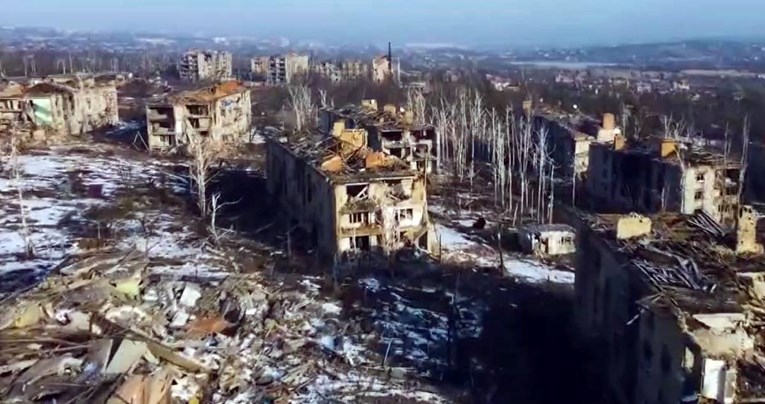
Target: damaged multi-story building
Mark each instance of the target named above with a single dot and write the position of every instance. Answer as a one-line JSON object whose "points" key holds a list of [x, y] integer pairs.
{"points": [[391, 130], [569, 139], [62, 104], [674, 305], [663, 175], [282, 69], [205, 65], [337, 71], [221, 112], [352, 201]]}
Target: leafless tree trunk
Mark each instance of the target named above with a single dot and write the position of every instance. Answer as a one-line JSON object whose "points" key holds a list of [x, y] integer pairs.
{"points": [[203, 152], [29, 250], [214, 209], [303, 107]]}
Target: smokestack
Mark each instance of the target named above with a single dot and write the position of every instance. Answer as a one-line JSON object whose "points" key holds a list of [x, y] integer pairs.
{"points": [[390, 57]]}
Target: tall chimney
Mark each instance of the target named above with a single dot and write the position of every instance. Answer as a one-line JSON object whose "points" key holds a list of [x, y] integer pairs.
{"points": [[390, 58]]}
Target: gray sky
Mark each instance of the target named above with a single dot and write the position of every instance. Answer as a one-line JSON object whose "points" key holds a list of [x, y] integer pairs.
{"points": [[476, 22]]}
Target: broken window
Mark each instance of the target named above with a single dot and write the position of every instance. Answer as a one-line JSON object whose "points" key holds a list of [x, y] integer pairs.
{"points": [[360, 243], [359, 191], [567, 240], [404, 214], [393, 136], [699, 195], [700, 177]]}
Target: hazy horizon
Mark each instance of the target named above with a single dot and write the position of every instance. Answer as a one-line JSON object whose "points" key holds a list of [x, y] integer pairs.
{"points": [[478, 23]]}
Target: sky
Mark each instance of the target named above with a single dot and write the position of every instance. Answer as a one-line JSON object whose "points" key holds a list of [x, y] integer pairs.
{"points": [[462, 22]]}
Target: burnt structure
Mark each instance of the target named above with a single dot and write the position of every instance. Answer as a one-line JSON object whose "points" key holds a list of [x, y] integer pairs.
{"points": [[351, 200], [663, 175], [391, 130], [674, 304]]}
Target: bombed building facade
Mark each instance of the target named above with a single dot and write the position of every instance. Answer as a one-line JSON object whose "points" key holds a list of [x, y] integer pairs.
{"points": [[390, 130], [205, 65], [67, 105], [221, 112], [346, 70], [663, 175], [352, 201], [674, 304], [281, 69]]}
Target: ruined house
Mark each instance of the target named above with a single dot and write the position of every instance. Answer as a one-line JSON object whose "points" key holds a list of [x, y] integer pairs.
{"points": [[73, 104], [673, 303], [221, 112], [204, 65], [351, 201], [282, 69], [547, 239], [390, 130], [14, 107], [663, 175]]}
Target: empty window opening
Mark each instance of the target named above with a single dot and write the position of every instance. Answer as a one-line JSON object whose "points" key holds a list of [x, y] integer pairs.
{"points": [[393, 136], [404, 214], [699, 195], [422, 242], [360, 243], [357, 191], [359, 218]]}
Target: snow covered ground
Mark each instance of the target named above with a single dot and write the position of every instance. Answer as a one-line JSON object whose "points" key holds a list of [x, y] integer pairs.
{"points": [[62, 186], [460, 247]]}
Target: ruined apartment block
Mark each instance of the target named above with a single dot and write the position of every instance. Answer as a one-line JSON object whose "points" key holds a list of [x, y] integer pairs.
{"points": [[221, 112], [63, 104], [348, 70], [663, 175], [351, 200], [283, 69], [390, 130], [205, 65], [569, 138], [674, 303], [386, 68]]}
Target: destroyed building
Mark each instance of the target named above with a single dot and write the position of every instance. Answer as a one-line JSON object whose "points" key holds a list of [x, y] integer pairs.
{"points": [[568, 147], [221, 112], [337, 71], [283, 69], [70, 105], [351, 201], [391, 130], [386, 68], [663, 175], [674, 304], [205, 65], [14, 108], [547, 239]]}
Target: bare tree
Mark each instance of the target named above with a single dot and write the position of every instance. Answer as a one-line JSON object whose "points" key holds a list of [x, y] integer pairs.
{"points": [[302, 105], [204, 152], [26, 235], [214, 210]]}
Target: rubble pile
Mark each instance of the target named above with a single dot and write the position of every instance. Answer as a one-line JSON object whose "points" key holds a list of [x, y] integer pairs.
{"points": [[106, 329]]}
